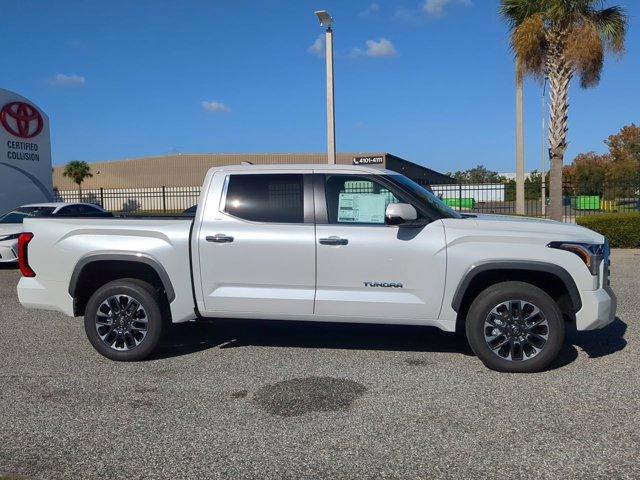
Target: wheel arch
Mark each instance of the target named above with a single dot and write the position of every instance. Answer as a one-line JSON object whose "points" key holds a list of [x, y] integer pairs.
{"points": [[551, 278], [94, 270]]}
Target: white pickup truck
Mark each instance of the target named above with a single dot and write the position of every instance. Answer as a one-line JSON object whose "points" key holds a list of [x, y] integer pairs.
{"points": [[322, 243]]}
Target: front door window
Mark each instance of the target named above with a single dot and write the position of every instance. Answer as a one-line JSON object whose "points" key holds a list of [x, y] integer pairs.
{"points": [[357, 200]]}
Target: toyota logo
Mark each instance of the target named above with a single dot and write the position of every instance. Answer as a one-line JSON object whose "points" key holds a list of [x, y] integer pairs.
{"points": [[21, 119]]}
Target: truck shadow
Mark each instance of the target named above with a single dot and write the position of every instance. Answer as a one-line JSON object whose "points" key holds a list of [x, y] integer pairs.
{"points": [[600, 343], [183, 339], [595, 343], [232, 333]]}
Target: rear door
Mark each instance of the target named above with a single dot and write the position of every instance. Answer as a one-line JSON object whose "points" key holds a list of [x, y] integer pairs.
{"points": [[367, 269], [257, 245]]}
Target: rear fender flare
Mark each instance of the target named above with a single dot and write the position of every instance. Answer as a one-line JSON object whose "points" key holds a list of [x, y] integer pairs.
{"points": [[133, 257]]}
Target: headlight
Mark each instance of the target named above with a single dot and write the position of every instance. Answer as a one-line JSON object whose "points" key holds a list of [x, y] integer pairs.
{"points": [[591, 254], [13, 236]]}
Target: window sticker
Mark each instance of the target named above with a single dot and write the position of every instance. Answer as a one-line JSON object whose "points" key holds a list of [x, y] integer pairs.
{"points": [[362, 207]]}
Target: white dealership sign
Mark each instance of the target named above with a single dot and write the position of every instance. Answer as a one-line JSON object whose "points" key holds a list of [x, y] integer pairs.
{"points": [[25, 153]]}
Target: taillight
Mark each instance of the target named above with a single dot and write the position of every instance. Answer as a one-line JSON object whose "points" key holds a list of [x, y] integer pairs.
{"points": [[23, 254]]}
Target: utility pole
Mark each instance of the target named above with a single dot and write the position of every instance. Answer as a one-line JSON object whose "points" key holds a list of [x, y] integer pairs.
{"points": [[520, 210], [326, 21], [543, 171]]}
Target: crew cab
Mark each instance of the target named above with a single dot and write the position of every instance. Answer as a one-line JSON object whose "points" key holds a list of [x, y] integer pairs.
{"points": [[322, 243]]}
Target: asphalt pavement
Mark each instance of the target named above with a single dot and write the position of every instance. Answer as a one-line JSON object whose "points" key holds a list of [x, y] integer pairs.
{"points": [[274, 400]]}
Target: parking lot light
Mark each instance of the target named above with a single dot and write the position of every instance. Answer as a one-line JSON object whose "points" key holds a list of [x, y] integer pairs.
{"points": [[327, 21]]}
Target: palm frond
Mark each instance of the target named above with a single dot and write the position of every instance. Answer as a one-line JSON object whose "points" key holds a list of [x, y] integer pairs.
{"points": [[528, 45], [517, 11], [585, 52], [612, 26], [576, 32]]}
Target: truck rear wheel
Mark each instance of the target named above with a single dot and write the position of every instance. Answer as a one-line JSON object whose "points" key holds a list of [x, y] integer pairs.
{"points": [[123, 320], [515, 327]]}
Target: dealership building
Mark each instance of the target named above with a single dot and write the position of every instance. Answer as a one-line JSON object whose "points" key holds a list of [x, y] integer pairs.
{"points": [[188, 170]]}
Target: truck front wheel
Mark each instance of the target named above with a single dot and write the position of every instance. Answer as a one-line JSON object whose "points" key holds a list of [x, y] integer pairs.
{"points": [[515, 327], [123, 320]]}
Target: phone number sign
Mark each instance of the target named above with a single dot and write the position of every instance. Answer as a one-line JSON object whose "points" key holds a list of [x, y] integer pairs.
{"points": [[368, 160]]}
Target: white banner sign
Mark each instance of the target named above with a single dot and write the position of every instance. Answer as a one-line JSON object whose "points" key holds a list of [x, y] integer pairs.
{"points": [[25, 153]]}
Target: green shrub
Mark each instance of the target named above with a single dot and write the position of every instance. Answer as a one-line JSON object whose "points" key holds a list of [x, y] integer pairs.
{"points": [[622, 229]]}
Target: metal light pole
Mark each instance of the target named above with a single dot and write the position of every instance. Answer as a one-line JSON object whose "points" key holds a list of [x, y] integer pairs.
{"points": [[326, 21], [520, 197]]}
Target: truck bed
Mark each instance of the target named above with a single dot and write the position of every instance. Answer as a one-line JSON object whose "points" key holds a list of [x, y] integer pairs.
{"points": [[60, 245]]}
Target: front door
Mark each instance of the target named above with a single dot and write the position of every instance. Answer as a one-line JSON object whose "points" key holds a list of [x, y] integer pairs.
{"points": [[370, 270], [257, 246]]}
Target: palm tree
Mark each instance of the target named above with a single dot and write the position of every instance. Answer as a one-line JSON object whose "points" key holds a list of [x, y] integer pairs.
{"points": [[558, 39], [77, 171]]}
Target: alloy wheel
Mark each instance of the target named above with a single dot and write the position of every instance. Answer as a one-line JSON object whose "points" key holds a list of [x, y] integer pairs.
{"points": [[516, 330], [121, 322]]}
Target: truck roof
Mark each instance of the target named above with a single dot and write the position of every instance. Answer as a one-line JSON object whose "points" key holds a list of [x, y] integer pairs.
{"points": [[320, 167]]}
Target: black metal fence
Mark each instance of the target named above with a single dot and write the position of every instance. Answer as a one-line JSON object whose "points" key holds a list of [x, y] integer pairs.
{"points": [[495, 198], [578, 199], [158, 200]]}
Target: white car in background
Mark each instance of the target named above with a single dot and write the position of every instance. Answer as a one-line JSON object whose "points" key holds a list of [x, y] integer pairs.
{"points": [[11, 223]]}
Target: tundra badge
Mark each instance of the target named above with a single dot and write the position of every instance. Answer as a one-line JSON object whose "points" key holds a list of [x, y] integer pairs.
{"points": [[383, 285]]}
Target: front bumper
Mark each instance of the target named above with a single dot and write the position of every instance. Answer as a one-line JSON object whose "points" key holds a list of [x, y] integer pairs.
{"points": [[598, 309]]}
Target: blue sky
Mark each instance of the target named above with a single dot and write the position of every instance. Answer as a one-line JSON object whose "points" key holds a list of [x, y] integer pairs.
{"points": [[429, 80]]}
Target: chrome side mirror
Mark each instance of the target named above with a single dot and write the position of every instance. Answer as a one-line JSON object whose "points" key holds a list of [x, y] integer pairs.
{"points": [[399, 213]]}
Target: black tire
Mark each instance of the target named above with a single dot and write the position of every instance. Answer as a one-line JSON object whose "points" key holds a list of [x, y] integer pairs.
{"points": [[522, 356], [148, 299]]}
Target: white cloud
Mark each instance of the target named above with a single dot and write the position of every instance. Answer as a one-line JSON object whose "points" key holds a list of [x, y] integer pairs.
{"points": [[371, 11], [217, 107], [374, 49], [317, 48], [62, 80], [381, 48], [404, 15], [436, 8]]}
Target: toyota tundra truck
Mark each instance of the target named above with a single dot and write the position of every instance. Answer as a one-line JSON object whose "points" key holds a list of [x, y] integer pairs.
{"points": [[329, 243]]}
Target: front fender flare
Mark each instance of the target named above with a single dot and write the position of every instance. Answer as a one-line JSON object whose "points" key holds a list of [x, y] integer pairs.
{"points": [[522, 266]]}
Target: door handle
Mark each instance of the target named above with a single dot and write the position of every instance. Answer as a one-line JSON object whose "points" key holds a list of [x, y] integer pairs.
{"points": [[334, 241], [219, 238]]}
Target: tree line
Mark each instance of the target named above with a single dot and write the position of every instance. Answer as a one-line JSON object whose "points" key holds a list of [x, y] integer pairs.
{"points": [[590, 173], [620, 165]]}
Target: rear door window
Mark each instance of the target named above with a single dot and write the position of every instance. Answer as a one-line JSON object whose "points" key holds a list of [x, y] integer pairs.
{"points": [[89, 211], [270, 198], [71, 211]]}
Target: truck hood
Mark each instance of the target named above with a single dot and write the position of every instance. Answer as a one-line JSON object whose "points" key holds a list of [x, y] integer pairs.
{"points": [[523, 227]]}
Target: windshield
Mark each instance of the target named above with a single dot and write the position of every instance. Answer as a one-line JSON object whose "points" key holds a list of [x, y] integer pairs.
{"points": [[19, 214], [424, 195]]}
